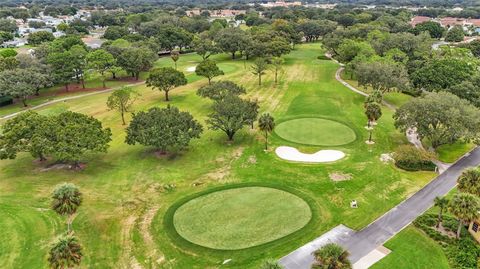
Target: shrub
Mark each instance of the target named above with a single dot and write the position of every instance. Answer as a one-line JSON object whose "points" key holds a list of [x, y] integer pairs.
{"points": [[322, 57], [412, 159]]}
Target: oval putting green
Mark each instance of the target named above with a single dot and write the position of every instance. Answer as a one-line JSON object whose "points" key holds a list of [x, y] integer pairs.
{"points": [[315, 131], [240, 218]]}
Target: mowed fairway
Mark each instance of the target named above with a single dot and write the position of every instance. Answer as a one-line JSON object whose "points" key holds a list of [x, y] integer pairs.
{"points": [[315, 131], [128, 191], [241, 217]]}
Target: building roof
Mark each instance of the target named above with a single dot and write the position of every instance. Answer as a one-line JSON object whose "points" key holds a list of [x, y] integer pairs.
{"points": [[419, 19]]}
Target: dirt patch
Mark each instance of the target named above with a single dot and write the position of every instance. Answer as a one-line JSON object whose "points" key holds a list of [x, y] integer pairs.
{"points": [[126, 79], [144, 228], [386, 158], [221, 173], [62, 166], [339, 176], [445, 232]]}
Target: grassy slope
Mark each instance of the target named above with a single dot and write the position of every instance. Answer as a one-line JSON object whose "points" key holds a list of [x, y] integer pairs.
{"points": [[125, 188], [413, 249]]}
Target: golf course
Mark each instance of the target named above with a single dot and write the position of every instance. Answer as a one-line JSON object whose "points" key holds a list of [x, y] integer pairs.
{"points": [[218, 203]]}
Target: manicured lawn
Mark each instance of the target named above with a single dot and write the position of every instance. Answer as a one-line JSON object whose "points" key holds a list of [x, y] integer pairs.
{"points": [[315, 131], [413, 249], [128, 191], [451, 153], [241, 217]]}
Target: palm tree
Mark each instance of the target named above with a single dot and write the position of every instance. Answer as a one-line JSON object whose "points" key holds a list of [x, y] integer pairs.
{"points": [[441, 202], [469, 181], [271, 264], [331, 256], [175, 55], [277, 66], [266, 123], [66, 199], [465, 207], [66, 252], [373, 111]]}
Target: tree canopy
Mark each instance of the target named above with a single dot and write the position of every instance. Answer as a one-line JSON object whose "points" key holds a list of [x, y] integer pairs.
{"points": [[165, 129], [165, 79], [219, 90]]}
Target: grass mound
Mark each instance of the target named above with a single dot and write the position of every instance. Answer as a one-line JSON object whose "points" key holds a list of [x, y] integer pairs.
{"points": [[241, 217], [315, 131]]}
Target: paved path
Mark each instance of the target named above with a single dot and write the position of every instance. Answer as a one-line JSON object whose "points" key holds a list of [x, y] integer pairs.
{"points": [[68, 99], [378, 232]]}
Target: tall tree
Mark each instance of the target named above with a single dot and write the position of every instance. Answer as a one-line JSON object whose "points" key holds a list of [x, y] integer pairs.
{"points": [[101, 61], [441, 203], [163, 128], [331, 256], [259, 67], [205, 46], [433, 28], [18, 83], [63, 67], [442, 118], [79, 54], [439, 74], [218, 90], [175, 56], [465, 207], [165, 79], [76, 134], [230, 114], [382, 76], [373, 111], [455, 34], [66, 199], [277, 66], [122, 101], [27, 132], [66, 252], [135, 60], [469, 181], [209, 69], [266, 123], [232, 40]]}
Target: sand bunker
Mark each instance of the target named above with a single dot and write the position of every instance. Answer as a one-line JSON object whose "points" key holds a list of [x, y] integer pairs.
{"points": [[191, 69], [322, 156]]}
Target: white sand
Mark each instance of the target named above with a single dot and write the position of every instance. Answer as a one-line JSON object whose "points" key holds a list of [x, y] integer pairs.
{"points": [[191, 68], [322, 156]]}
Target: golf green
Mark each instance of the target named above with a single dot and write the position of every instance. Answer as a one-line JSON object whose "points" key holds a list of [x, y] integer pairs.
{"points": [[315, 131], [241, 217]]}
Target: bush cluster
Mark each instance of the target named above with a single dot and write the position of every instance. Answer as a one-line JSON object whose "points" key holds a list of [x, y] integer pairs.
{"points": [[412, 159], [462, 253]]}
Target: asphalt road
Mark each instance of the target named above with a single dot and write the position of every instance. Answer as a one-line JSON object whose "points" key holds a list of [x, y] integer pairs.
{"points": [[378, 232]]}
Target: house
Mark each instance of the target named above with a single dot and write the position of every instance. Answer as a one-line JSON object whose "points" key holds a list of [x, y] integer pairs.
{"points": [[281, 4], [419, 19], [474, 229], [226, 13], [17, 42]]}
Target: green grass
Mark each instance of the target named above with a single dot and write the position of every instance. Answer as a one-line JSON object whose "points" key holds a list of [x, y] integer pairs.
{"points": [[451, 153], [413, 249], [127, 191], [315, 131], [241, 217]]}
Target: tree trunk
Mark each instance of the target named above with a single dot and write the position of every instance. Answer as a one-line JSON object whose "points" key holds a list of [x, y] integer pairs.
{"points": [[37, 91], [123, 118], [439, 221], [370, 136], [260, 80], [175, 65], [166, 96], [137, 75], [66, 87], [209, 80], [266, 140], [41, 157], [459, 229], [230, 135], [24, 101], [276, 73], [103, 83], [114, 75], [233, 55], [83, 83]]}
